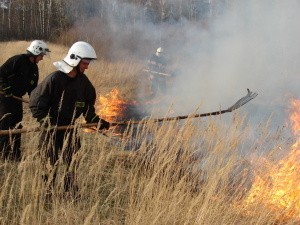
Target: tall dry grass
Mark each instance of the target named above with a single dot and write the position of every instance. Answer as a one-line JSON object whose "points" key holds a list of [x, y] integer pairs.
{"points": [[188, 172]]}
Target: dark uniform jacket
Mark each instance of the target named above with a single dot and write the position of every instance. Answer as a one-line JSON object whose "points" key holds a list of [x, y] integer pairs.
{"points": [[64, 99], [19, 73], [157, 63]]}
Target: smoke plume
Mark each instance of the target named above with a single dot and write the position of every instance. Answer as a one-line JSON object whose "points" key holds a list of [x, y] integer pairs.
{"points": [[236, 45]]}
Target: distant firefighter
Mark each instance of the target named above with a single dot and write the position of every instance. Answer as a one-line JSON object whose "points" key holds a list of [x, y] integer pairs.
{"points": [[18, 75], [157, 69]]}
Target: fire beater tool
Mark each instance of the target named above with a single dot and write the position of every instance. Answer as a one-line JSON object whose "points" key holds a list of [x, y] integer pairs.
{"points": [[250, 95]]}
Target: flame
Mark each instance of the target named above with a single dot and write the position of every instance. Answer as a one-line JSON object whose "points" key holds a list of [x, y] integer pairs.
{"points": [[112, 108], [279, 188], [295, 116], [109, 106]]}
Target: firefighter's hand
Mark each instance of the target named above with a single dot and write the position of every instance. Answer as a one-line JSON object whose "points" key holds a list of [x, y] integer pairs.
{"points": [[103, 124], [7, 92]]}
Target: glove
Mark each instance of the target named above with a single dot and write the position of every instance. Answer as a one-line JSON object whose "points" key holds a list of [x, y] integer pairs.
{"points": [[103, 124], [7, 92]]}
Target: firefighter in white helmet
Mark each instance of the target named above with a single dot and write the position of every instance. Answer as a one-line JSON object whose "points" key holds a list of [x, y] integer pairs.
{"points": [[38, 47], [59, 100], [157, 70], [18, 75]]}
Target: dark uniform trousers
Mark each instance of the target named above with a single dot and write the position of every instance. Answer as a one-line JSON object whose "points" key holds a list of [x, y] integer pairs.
{"points": [[52, 144], [11, 114], [158, 84]]}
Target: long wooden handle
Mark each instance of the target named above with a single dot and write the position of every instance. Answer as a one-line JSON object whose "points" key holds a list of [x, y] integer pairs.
{"points": [[36, 129], [250, 95], [123, 123], [15, 97]]}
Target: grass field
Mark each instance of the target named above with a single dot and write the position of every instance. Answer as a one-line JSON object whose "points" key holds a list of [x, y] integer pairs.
{"points": [[196, 171]]}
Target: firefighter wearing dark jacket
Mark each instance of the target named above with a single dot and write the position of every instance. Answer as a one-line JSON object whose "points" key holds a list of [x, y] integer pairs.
{"points": [[59, 100], [157, 64], [18, 75]]}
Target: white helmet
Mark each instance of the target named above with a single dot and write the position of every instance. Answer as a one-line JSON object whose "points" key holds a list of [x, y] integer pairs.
{"points": [[160, 50], [79, 50], [38, 47]]}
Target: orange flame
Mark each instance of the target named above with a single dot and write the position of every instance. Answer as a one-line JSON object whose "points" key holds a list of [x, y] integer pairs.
{"points": [[295, 116], [279, 189], [109, 106]]}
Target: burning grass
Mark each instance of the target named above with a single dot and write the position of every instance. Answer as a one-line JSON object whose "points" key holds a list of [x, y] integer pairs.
{"points": [[277, 188], [197, 171], [180, 173]]}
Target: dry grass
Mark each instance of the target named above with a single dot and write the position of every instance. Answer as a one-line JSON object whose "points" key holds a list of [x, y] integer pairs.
{"points": [[190, 172]]}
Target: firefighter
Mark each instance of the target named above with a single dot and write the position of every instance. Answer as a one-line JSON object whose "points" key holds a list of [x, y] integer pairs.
{"points": [[59, 100], [18, 75], [157, 69]]}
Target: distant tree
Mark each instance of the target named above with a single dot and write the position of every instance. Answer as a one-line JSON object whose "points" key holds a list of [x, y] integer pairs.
{"points": [[47, 19], [32, 19], [150, 12], [3, 4]]}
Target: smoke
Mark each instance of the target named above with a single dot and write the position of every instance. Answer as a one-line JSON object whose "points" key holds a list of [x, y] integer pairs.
{"points": [[250, 44], [236, 45]]}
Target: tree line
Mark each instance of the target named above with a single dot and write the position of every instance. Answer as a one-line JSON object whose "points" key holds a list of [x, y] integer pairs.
{"points": [[49, 19]]}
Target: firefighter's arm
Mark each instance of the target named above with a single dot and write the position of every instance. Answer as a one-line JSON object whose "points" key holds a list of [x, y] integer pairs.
{"points": [[102, 124], [40, 101], [7, 71]]}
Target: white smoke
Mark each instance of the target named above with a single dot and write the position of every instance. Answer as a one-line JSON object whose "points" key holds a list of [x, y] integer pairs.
{"points": [[243, 44], [252, 44]]}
